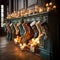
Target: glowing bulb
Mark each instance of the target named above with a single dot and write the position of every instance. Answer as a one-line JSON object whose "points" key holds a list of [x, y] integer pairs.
{"points": [[38, 42], [31, 44], [50, 3], [47, 4], [15, 41], [22, 47], [41, 10], [48, 9], [33, 40], [24, 44], [20, 44], [54, 7]]}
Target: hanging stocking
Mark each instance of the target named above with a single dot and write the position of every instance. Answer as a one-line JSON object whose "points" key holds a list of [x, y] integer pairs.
{"points": [[28, 32], [34, 29], [38, 25]]}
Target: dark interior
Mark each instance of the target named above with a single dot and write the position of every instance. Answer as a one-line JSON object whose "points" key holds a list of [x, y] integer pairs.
{"points": [[53, 22]]}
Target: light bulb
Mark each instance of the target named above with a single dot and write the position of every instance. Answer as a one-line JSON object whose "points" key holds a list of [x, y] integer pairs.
{"points": [[47, 4], [48, 9], [54, 7], [50, 4]]}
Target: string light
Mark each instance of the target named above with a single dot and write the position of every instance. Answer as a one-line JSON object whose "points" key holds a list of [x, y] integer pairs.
{"points": [[50, 3], [54, 7], [24, 12], [47, 4]]}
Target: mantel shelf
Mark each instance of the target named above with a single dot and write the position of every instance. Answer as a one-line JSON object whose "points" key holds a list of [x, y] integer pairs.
{"points": [[32, 15]]}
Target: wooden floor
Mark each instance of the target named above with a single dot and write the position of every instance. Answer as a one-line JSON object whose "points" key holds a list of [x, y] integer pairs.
{"points": [[9, 51]]}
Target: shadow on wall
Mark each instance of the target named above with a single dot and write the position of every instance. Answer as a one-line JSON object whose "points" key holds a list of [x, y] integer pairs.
{"points": [[2, 33]]}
